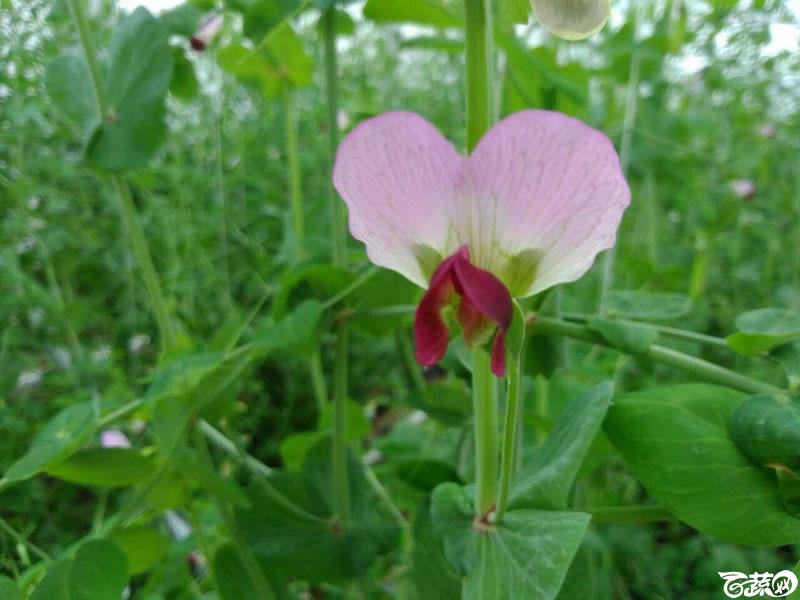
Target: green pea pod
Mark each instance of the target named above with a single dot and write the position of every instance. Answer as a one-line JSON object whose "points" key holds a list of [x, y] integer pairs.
{"points": [[766, 429]]}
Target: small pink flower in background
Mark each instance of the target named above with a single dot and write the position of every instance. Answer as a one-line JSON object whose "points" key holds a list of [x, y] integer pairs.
{"points": [[113, 438], [743, 188], [207, 31], [540, 196], [767, 130]]}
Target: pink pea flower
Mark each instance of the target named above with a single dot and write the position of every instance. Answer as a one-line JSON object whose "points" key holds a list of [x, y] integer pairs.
{"points": [[540, 196], [113, 438], [743, 188]]}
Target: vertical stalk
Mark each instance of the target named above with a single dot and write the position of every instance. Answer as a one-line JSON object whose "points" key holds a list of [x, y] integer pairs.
{"points": [[138, 241], [477, 17], [318, 381], [339, 255], [484, 409], [293, 163], [510, 429], [629, 120], [338, 240], [261, 585], [340, 478]]}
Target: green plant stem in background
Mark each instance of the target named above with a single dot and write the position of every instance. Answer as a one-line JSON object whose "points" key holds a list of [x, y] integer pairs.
{"points": [[338, 234], [318, 380], [705, 370], [261, 586], [510, 429], [341, 481], [22, 541], [477, 18], [138, 241], [147, 269], [293, 162], [484, 416], [629, 514]]}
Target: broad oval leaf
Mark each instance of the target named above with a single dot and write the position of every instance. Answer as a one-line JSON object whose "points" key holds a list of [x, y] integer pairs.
{"points": [[142, 546], [527, 555], [763, 329], [99, 571], [675, 441], [64, 435], [138, 79], [107, 467]]}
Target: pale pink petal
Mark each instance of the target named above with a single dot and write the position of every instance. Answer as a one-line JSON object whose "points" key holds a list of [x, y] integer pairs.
{"points": [[398, 175], [113, 438], [549, 186]]}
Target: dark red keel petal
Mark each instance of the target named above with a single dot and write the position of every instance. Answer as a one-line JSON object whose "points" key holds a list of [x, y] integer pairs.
{"points": [[499, 354], [484, 300], [431, 335]]}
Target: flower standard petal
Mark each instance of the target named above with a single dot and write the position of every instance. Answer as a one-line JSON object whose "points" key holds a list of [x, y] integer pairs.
{"points": [[397, 174], [556, 194]]}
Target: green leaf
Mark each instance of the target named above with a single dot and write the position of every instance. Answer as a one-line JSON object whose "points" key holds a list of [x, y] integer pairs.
{"points": [[99, 571], [231, 575], [53, 585], [182, 20], [184, 81], [9, 589], [64, 435], [788, 356], [264, 16], [251, 66], [763, 329], [294, 532], [212, 481], [432, 574], [572, 19], [647, 305], [447, 401], [289, 57], [631, 338], [143, 547], [766, 429], [69, 85], [674, 440], [527, 555], [108, 467], [296, 332], [512, 12], [545, 482], [138, 79], [418, 12]]}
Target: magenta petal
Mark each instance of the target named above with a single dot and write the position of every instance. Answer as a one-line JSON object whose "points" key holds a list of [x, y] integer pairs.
{"points": [[431, 335], [484, 290], [499, 354]]}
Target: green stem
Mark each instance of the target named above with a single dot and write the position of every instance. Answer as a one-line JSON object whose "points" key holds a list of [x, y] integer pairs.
{"points": [[293, 162], [484, 408], [318, 381], [22, 541], [131, 218], [144, 260], [261, 587], [697, 366], [339, 454], [629, 514], [477, 18], [338, 239], [510, 429]]}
